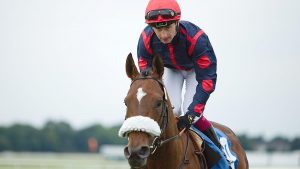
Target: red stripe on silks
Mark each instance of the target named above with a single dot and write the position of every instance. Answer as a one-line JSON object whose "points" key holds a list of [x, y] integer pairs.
{"points": [[203, 62], [207, 85], [199, 108], [146, 40], [187, 36], [172, 56], [142, 63], [193, 42]]}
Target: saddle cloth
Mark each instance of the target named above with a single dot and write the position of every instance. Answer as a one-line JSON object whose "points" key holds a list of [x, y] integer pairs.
{"points": [[219, 161]]}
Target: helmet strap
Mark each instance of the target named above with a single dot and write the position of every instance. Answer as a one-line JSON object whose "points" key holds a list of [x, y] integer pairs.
{"points": [[177, 26]]}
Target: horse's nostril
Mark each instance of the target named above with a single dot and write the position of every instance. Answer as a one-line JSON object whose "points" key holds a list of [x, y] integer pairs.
{"points": [[126, 152], [144, 152]]}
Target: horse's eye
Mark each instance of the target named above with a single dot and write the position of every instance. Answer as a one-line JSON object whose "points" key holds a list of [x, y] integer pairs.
{"points": [[158, 104]]}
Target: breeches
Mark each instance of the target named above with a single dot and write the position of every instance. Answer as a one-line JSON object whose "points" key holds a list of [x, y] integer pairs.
{"points": [[181, 87]]}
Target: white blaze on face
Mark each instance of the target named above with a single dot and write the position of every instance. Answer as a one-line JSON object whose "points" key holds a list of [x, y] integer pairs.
{"points": [[140, 94]]}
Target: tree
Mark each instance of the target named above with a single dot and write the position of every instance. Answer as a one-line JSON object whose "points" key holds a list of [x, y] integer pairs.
{"points": [[279, 143], [295, 144], [23, 138], [4, 141], [58, 136]]}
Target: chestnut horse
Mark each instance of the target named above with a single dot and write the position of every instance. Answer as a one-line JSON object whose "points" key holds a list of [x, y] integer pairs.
{"points": [[154, 142]]}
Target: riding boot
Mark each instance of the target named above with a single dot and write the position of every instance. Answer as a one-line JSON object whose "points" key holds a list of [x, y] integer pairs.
{"points": [[211, 134]]}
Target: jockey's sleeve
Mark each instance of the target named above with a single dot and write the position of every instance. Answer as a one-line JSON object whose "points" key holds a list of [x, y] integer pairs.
{"points": [[144, 51], [205, 65]]}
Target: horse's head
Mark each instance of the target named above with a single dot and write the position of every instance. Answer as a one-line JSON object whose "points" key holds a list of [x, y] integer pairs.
{"points": [[147, 114]]}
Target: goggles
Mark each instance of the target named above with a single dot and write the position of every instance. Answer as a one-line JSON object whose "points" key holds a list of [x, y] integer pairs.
{"points": [[159, 25], [164, 13]]}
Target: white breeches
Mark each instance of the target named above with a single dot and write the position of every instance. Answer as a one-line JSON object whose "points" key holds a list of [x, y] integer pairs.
{"points": [[181, 87]]}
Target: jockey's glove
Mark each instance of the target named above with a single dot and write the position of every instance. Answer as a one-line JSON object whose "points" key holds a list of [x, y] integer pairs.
{"points": [[185, 121], [146, 72]]}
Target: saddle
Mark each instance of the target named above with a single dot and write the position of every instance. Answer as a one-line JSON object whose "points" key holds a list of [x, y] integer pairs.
{"points": [[206, 155]]}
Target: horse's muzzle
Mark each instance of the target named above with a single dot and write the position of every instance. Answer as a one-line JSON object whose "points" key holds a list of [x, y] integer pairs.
{"points": [[137, 157]]}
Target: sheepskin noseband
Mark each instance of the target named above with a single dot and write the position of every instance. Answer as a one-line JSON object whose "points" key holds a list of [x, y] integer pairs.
{"points": [[139, 123]]}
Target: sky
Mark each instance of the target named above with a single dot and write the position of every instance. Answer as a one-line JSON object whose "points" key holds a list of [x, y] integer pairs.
{"points": [[64, 60]]}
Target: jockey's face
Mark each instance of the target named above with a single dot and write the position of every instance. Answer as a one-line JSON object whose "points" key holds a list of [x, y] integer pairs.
{"points": [[166, 34]]}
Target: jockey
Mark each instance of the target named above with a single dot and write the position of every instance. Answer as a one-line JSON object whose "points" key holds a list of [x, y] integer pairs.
{"points": [[189, 62]]}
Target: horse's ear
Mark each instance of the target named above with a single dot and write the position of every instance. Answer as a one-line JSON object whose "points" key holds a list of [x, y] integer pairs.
{"points": [[157, 67], [131, 69]]}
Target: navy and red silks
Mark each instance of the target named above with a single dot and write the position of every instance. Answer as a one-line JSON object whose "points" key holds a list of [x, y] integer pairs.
{"points": [[189, 49]]}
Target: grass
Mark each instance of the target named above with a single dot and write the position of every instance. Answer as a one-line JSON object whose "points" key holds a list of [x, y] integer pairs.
{"points": [[58, 161], [70, 161]]}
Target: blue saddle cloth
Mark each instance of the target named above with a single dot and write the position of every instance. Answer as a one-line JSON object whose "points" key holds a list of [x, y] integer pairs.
{"points": [[222, 163]]}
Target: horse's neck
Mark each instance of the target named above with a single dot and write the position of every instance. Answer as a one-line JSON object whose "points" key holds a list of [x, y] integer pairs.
{"points": [[171, 154]]}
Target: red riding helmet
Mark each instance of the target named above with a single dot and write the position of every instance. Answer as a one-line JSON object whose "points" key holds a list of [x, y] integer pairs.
{"points": [[162, 11]]}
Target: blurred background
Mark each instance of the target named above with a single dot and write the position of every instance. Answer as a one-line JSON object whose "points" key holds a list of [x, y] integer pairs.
{"points": [[63, 80]]}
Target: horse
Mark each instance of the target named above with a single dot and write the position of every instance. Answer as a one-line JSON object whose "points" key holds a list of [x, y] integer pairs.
{"points": [[154, 141]]}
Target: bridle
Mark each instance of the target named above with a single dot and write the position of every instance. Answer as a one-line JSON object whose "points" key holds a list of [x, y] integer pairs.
{"points": [[163, 123], [164, 114], [157, 141]]}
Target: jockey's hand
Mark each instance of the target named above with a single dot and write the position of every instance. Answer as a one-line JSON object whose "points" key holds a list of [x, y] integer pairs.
{"points": [[185, 121], [146, 72]]}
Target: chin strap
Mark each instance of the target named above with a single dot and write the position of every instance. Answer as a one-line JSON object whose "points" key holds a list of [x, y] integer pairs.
{"points": [[177, 26]]}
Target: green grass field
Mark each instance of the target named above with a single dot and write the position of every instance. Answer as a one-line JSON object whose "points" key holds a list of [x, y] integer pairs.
{"points": [[69, 161], [58, 161]]}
